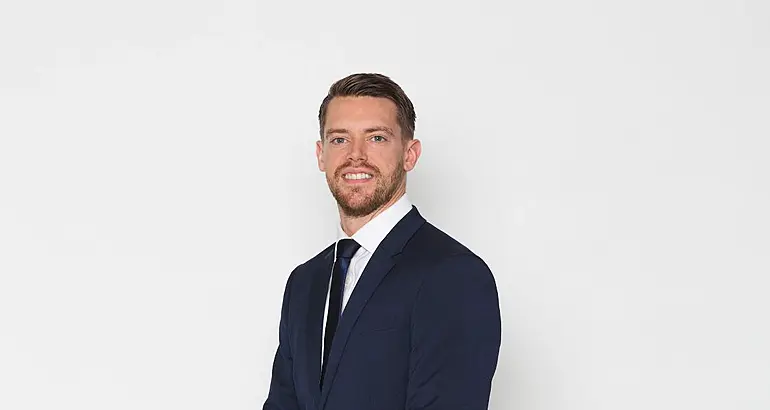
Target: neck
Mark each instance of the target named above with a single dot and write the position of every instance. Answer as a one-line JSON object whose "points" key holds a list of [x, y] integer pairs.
{"points": [[351, 225]]}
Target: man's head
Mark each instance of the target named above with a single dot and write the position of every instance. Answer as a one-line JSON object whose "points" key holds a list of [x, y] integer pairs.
{"points": [[367, 142]]}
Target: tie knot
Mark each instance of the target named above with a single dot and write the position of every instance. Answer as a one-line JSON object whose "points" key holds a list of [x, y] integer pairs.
{"points": [[346, 248]]}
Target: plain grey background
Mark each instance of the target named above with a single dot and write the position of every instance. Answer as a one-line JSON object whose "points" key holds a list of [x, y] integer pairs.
{"points": [[608, 159]]}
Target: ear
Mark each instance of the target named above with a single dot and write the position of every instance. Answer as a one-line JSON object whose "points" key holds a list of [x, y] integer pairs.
{"points": [[319, 151], [412, 154]]}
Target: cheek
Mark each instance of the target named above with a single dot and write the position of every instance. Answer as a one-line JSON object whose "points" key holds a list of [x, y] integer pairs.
{"points": [[387, 163], [330, 161]]}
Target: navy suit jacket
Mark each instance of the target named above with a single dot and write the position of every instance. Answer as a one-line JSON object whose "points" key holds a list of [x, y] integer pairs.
{"points": [[421, 330]]}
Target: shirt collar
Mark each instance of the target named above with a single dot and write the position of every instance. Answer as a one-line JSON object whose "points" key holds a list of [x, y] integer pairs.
{"points": [[373, 232]]}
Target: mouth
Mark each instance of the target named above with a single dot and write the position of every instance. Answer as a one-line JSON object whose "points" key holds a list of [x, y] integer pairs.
{"points": [[357, 177]]}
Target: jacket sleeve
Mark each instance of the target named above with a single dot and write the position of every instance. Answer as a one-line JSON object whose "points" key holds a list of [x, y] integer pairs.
{"points": [[456, 333], [282, 395]]}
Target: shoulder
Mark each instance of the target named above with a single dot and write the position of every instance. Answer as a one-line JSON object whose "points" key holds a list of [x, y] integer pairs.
{"points": [[303, 272], [445, 259], [452, 282], [434, 245]]}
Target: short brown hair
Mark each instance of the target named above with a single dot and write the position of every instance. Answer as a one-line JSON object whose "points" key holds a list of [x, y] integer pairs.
{"points": [[372, 85]]}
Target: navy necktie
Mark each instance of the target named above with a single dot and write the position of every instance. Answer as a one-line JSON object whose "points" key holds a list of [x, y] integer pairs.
{"points": [[346, 248]]}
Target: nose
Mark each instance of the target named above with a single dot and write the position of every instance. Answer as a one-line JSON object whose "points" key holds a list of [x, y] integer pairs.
{"points": [[357, 151]]}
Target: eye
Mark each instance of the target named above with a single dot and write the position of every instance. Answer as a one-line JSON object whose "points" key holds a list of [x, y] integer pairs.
{"points": [[379, 138], [337, 140]]}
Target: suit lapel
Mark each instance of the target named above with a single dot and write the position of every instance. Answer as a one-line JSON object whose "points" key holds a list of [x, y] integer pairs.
{"points": [[316, 303], [381, 262]]}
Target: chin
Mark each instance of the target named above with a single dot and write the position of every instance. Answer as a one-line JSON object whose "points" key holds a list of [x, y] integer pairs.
{"points": [[358, 203], [356, 193]]}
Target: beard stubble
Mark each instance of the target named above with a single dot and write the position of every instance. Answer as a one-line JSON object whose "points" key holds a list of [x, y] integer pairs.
{"points": [[383, 192]]}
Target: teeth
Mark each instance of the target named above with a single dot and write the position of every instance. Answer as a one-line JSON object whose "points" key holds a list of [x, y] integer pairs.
{"points": [[357, 176]]}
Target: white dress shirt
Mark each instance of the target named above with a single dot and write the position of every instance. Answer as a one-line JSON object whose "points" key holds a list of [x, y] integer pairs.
{"points": [[369, 237]]}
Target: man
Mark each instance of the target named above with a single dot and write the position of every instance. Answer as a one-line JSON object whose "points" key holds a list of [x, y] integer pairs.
{"points": [[396, 314]]}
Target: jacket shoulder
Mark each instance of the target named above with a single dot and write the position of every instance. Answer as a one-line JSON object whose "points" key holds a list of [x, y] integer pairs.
{"points": [[435, 244], [445, 262], [306, 268]]}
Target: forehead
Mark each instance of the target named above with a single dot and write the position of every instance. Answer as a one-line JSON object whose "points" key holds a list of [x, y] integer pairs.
{"points": [[355, 112]]}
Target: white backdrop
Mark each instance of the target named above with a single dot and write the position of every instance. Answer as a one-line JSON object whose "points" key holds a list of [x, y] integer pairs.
{"points": [[607, 159]]}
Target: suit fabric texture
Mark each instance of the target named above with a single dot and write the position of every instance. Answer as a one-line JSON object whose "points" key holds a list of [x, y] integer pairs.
{"points": [[421, 330]]}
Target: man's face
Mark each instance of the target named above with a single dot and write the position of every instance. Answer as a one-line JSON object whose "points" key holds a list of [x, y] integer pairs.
{"points": [[363, 154]]}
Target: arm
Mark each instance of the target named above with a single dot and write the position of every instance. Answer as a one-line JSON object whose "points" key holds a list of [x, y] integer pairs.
{"points": [[456, 333], [281, 395]]}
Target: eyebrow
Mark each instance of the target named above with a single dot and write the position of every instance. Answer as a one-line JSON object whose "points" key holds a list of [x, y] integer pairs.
{"points": [[379, 129], [335, 131], [366, 131]]}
